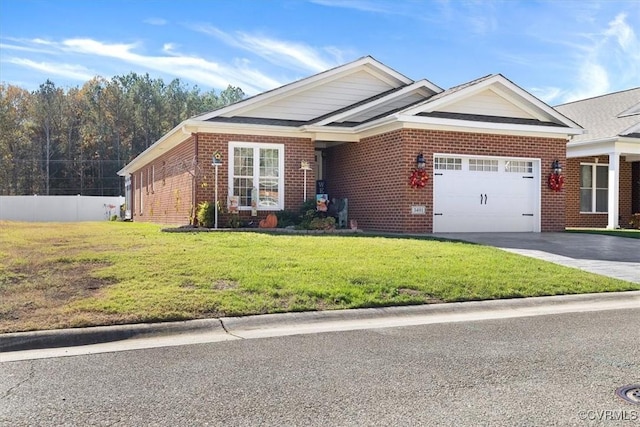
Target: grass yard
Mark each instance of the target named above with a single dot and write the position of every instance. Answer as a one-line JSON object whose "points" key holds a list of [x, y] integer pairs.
{"points": [[630, 233], [55, 275]]}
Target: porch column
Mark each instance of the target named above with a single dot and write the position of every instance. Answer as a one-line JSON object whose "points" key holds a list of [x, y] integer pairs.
{"points": [[614, 190]]}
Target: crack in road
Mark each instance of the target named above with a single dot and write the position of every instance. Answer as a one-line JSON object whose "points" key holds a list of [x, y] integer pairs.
{"points": [[30, 375], [227, 331]]}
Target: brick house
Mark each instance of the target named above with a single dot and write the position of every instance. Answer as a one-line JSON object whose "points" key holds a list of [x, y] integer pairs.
{"points": [[485, 147], [603, 165]]}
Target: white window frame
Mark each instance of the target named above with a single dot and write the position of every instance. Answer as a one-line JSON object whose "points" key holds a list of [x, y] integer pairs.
{"points": [[256, 146], [594, 188], [140, 205], [447, 163]]}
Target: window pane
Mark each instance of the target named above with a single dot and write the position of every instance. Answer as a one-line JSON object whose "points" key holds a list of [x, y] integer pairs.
{"points": [[585, 200], [242, 161], [602, 176], [602, 197], [242, 188], [585, 176], [268, 162], [268, 197]]}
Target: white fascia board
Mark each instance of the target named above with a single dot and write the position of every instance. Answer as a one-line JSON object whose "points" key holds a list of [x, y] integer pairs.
{"points": [[184, 130], [490, 126], [245, 129], [166, 142], [603, 146], [422, 85], [492, 83], [367, 64], [531, 101]]}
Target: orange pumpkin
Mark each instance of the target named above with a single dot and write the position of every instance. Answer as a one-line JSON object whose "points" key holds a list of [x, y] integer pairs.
{"points": [[271, 221]]}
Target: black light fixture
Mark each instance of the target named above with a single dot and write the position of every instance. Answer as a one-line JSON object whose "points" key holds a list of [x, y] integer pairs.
{"points": [[420, 162], [557, 167]]}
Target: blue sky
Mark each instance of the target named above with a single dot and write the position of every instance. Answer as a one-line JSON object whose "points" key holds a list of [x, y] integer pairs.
{"points": [[558, 50]]}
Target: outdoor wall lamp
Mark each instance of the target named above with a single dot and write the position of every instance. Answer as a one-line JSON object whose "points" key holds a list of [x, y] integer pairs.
{"points": [[420, 162], [557, 167]]}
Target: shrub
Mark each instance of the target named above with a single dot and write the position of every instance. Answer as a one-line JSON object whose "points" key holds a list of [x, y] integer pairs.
{"points": [[206, 214], [287, 218]]}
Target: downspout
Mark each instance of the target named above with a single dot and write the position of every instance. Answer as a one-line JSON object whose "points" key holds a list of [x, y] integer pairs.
{"points": [[194, 203]]}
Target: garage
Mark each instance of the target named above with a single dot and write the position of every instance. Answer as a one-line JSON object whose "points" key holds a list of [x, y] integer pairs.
{"points": [[485, 194]]}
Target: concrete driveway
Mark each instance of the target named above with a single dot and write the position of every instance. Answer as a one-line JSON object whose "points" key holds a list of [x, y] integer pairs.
{"points": [[617, 257]]}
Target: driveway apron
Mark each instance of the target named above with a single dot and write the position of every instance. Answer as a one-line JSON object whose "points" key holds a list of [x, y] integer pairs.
{"points": [[611, 256]]}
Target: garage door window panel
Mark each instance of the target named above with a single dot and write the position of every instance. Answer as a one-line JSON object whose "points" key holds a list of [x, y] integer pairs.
{"points": [[483, 165], [448, 163], [518, 166]]}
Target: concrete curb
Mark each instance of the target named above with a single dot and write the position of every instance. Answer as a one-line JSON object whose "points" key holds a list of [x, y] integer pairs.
{"points": [[288, 323], [101, 334]]}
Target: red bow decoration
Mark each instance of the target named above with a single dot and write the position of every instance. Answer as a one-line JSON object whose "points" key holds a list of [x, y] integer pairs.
{"points": [[418, 178], [556, 181]]}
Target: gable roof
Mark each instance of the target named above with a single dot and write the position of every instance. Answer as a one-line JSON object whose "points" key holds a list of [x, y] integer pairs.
{"points": [[363, 97], [322, 94], [492, 98], [608, 116]]}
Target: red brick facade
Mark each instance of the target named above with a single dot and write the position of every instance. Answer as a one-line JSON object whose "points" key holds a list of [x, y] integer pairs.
{"points": [[162, 190], [174, 180], [373, 174], [574, 217]]}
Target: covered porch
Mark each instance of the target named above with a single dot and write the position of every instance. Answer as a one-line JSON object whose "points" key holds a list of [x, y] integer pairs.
{"points": [[620, 197]]}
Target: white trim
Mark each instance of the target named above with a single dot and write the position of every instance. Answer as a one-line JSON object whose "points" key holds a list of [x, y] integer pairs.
{"points": [[418, 86], [603, 146], [594, 187], [461, 125], [537, 172], [366, 63], [498, 79], [256, 146]]}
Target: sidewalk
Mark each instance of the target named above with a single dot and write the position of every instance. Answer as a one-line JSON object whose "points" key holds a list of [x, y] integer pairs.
{"points": [[138, 336]]}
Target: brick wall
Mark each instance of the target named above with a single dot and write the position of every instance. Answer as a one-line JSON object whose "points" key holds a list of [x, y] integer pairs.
{"points": [[165, 187], [374, 173], [295, 149], [170, 200], [596, 220]]}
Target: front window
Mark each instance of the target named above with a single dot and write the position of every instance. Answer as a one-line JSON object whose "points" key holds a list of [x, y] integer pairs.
{"points": [[594, 187], [256, 172]]}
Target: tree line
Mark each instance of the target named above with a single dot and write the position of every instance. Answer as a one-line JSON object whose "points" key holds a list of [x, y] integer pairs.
{"points": [[56, 141]]}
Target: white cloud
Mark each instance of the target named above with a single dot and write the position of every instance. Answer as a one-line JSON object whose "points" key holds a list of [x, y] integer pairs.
{"points": [[608, 63], [76, 72], [155, 21], [547, 94], [278, 52], [172, 62], [361, 5]]}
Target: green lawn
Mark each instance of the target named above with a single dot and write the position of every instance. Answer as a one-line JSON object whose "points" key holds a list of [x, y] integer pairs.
{"points": [[67, 275], [630, 233]]}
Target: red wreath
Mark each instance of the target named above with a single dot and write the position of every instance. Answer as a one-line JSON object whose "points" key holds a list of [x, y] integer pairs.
{"points": [[418, 178], [556, 181]]}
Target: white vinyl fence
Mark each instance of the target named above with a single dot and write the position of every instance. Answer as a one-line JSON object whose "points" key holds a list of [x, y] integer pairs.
{"points": [[59, 208]]}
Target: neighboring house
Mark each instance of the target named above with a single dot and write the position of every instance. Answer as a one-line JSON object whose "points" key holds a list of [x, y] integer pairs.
{"points": [[603, 170], [488, 144]]}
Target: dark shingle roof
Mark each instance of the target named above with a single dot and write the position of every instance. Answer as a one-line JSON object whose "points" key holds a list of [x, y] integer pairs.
{"points": [[489, 119]]}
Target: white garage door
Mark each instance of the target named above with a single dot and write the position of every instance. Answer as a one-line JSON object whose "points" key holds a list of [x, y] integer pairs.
{"points": [[485, 194]]}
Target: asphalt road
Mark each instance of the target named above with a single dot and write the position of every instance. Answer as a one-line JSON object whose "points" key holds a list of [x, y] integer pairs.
{"points": [[530, 371]]}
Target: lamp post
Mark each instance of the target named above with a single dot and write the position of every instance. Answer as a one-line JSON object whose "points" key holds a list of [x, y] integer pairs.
{"points": [[304, 166], [216, 162]]}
